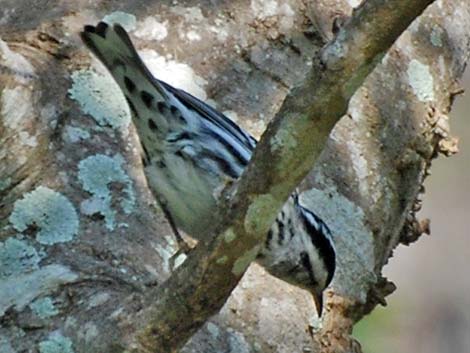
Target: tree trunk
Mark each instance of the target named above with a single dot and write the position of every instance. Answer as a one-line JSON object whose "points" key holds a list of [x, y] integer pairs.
{"points": [[82, 242]]}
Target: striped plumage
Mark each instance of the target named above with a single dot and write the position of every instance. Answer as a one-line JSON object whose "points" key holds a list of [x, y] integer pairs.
{"points": [[191, 151]]}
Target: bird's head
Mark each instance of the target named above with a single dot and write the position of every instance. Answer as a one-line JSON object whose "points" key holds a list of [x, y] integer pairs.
{"points": [[318, 260]]}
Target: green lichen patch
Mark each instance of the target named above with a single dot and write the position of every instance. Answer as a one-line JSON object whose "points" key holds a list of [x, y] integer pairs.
{"points": [[237, 342], [283, 139], [213, 329], [16, 256], [5, 346], [436, 37], [48, 211], [89, 332], [100, 97], [56, 343], [127, 20], [20, 290], [98, 299], [229, 235], [5, 183], [257, 219], [98, 173], [285, 142], [421, 80], [44, 307], [74, 134], [222, 260], [242, 263]]}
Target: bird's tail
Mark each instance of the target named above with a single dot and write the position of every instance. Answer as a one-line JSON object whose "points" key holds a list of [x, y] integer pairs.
{"points": [[112, 45]]}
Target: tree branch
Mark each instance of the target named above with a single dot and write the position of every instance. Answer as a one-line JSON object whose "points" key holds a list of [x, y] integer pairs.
{"points": [[284, 156]]}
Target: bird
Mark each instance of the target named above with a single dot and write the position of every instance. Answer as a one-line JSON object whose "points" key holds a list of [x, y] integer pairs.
{"points": [[190, 151]]}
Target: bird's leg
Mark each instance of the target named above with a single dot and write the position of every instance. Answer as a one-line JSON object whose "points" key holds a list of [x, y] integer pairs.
{"points": [[183, 246]]}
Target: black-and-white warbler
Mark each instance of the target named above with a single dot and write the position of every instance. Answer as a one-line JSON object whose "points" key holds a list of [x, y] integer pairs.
{"points": [[190, 150]]}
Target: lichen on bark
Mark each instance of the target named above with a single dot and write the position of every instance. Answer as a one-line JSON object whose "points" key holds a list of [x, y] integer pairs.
{"points": [[248, 58]]}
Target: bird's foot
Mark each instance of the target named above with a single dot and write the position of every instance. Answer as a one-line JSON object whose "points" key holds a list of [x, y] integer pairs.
{"points": [[185, 246]]}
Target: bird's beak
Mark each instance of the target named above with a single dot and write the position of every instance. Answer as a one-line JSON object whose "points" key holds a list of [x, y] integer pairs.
{"points": [[318, 299]]}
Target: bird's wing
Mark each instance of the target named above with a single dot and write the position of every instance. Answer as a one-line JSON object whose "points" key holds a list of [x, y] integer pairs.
{"points": [[210, 114]]}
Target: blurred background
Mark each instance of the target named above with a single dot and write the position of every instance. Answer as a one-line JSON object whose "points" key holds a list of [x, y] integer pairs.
{"points": [[430, 310]]}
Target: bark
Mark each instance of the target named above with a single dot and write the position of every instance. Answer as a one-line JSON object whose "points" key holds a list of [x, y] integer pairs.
{"points": [[81, 265]]}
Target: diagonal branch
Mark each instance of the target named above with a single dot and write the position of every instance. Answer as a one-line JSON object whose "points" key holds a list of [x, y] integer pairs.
{"points": [[284, 156]]}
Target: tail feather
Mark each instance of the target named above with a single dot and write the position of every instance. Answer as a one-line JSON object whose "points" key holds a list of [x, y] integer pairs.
{"points": [[112, 45], [148, 99]]}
